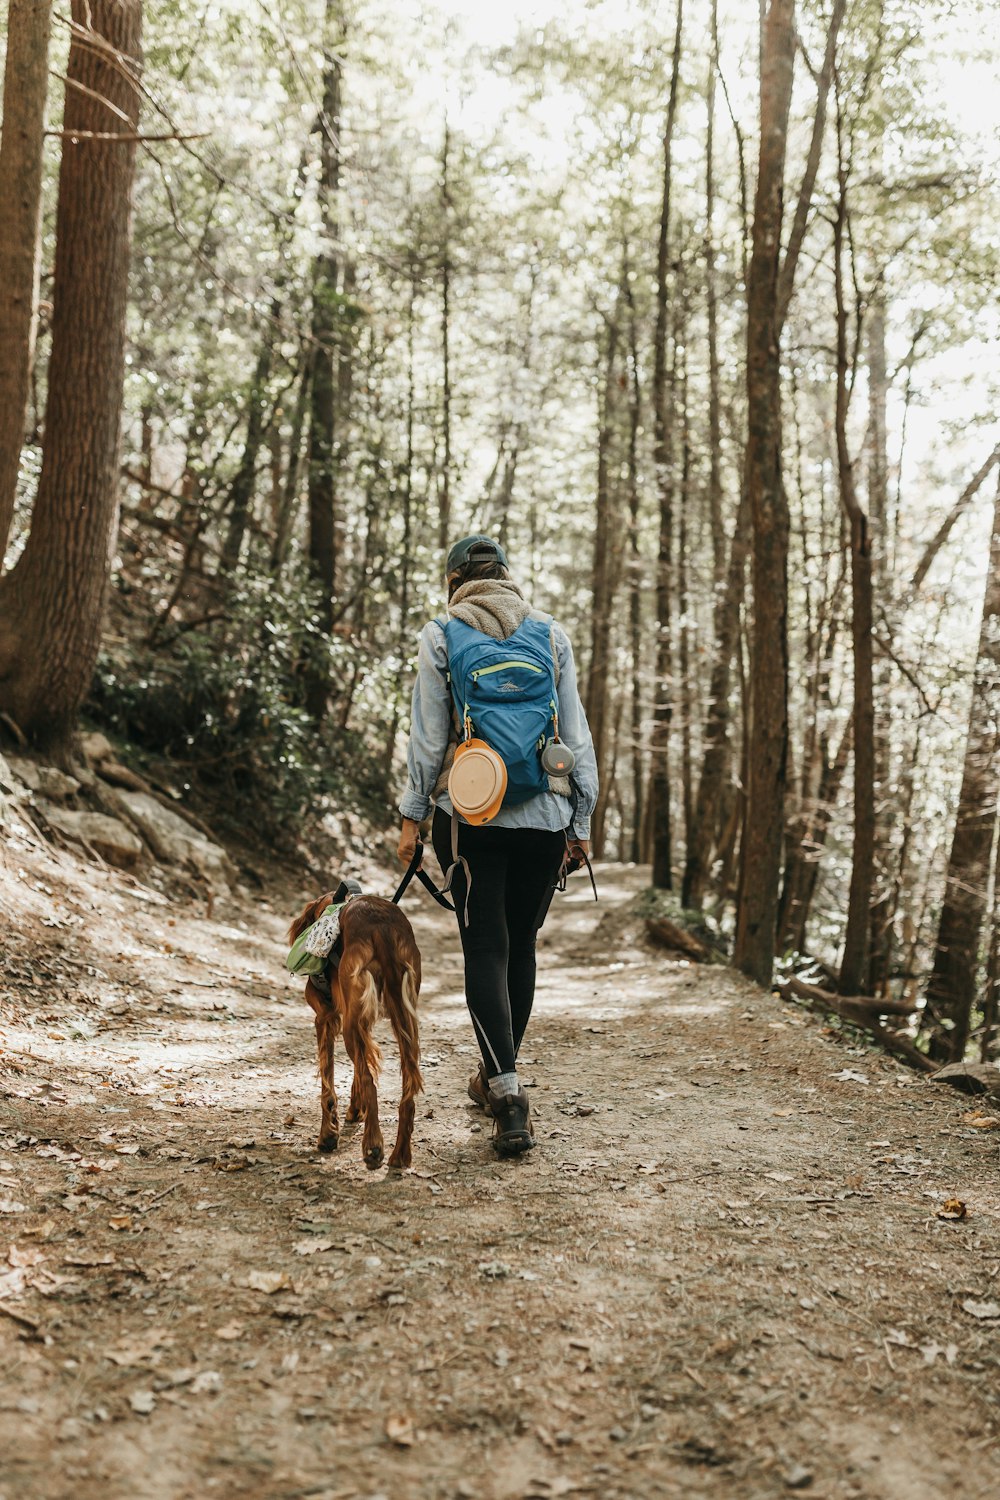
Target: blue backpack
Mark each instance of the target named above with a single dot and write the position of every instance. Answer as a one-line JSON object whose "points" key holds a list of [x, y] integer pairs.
{"points": [[505, 693]]}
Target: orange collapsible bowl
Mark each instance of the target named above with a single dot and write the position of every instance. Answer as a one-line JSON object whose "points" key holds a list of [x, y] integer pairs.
{"points": [[477, 781]]}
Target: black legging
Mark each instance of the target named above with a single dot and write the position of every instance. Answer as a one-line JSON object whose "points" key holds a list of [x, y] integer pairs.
{"points": [[513, 872]]}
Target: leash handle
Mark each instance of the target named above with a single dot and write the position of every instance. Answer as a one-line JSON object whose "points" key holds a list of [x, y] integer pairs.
{"points": [[413, 868]]}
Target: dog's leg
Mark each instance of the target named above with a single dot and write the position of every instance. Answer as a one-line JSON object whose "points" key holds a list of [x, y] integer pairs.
{"points": [[402, 1009], [362, 1047], [326, 1035], [356, 1108]]}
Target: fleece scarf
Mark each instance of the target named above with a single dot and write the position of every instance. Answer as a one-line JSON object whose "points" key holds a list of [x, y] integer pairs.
{"points": [[495, 606]]}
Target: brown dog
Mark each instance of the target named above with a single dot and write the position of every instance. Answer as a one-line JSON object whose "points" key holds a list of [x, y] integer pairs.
{"points": [[379, 973]]}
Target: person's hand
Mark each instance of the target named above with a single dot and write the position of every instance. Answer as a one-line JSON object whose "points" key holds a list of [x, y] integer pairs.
{"points": [[579, 850], [408, 839]]}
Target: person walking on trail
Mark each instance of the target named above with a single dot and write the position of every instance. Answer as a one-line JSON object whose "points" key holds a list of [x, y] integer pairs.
{"points": [[502, 861]]}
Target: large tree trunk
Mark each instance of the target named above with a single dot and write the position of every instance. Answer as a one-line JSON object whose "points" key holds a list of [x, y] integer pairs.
{"points": [[952, 987], [26, 77], [659, 780], [761, 845], [322, 490], [51, 604], [853, 967]]}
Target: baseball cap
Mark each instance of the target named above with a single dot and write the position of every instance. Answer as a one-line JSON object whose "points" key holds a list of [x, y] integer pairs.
{"points": [[475, 549]]}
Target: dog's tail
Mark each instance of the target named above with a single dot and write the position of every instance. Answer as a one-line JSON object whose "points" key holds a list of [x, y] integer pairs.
{"points": [[407, 1031], [360, 991]]}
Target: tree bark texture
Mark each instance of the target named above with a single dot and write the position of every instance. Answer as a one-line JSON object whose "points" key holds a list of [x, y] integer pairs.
{"points": [[322, 490], [51, 604], [25, 89], [880, 936], [604, 573], [951, 991], [761, 847], [854, 963], [659, 779]]}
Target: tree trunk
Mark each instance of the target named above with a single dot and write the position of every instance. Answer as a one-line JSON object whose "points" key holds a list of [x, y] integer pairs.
{"points": [[322, 492], [711, 307], [952, 987], [659, 780], [604, 574], [242, 488], [26, 77], [444, 481], [761, 846], [854, 964], [684, 608], [711, 782], [51, 604], [634, 569], [880, 934], [289, 501]]}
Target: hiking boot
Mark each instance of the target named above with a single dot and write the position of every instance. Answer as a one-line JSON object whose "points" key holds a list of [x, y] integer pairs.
{"points": [[479, 1089], [511, 1124]]}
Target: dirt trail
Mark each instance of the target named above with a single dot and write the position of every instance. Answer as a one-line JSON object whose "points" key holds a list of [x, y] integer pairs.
{"points": [[719, 1274]]}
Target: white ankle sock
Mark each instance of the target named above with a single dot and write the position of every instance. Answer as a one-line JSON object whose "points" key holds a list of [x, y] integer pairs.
{"points": [[504, 1083]]}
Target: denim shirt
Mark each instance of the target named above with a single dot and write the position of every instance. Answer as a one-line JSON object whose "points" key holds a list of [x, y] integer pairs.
{"points": [[431, 725]]}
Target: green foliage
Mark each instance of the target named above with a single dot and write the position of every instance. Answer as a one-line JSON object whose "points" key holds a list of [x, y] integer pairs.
{"points": [[224, 704]]}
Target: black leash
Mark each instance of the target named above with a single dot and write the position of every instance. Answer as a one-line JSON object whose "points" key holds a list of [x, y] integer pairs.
{"points": [[425, 880]]}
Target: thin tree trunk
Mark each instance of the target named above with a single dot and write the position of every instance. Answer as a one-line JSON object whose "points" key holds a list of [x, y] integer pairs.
{"points": [[715, 758], [853, 967], [718, 530], [293, 474], [242, 488], [634, 568], [761, 845], [322, 494], [21, 147], [880, 937], [951, 990], [684, 607], [800, 220], [659, 781], [802, 864], [604, 572], [52, 603], [444, 484], [943, 532]]}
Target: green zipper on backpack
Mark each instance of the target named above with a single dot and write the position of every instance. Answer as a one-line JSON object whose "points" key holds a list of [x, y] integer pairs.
{"points": [[502, 666]]}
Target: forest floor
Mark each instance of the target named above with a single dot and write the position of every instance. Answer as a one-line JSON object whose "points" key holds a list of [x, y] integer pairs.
{"points": [[721, 1273]]}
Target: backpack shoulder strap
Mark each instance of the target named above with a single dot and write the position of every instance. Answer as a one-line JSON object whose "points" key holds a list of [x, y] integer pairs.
{"points": [[539, 614]]}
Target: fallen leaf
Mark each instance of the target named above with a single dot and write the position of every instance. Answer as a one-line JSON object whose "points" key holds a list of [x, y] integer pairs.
{"points": [[982, 1122], [399, 1430], [9, 1206], [848, 1075], [953, 1208], [207, 1380], [267, 1282], [120, 1222], [981, 1309], [142, 1402]]}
